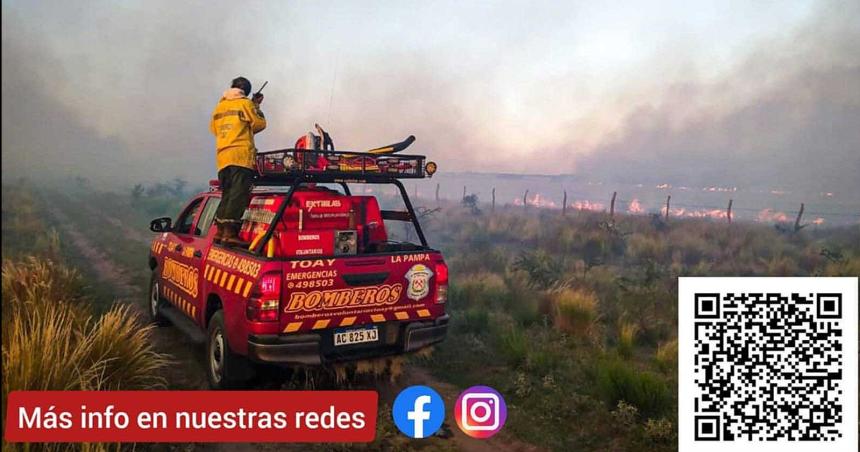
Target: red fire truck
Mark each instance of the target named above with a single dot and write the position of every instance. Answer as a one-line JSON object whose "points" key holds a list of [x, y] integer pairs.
{"points": [[322, 280]]}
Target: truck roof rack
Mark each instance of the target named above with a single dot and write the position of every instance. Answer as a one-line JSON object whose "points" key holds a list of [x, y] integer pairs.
{"points": [[289, 166]]}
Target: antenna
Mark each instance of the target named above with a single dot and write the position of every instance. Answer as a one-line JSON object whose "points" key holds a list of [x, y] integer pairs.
{"points": [[261, 88], [331, 92]]}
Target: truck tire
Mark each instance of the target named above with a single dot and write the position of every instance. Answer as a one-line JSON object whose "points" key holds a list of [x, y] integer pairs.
{"points": [[224, 369], [155, 301]]}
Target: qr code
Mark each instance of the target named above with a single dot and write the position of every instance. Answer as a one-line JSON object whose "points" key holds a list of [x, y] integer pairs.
{"points": [[771, 361]]}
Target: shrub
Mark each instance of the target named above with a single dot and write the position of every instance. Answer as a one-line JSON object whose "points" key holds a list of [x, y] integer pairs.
{"points": [[693, 247], [467, 292], [848, 267], [488, 257], [474, 319], [575, 311], [24, 231], [782, 266], [522, 385], [478, 289], [513, 345], [644, 247], [620, 381], [544, 271], [593, 250], [627, 338], [522, 301], [659, 430], [543, 359], [667, 355], [625, 414]]}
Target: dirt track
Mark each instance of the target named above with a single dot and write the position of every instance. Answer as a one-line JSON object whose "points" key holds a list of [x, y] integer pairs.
{"points": [[188, 368]]}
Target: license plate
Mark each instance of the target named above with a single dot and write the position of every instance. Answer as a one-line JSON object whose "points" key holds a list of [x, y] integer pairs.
{"points": [[356, 336]]}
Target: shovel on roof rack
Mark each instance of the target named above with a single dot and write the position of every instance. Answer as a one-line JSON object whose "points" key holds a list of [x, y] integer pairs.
{"points": [[392, 148]]}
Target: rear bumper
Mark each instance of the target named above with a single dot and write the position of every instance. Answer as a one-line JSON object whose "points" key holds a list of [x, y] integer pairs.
{"points": [[295, 349], [317, 348]]}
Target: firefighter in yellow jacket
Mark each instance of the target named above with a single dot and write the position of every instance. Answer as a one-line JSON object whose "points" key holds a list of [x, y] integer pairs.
{"points": [[234, 122]]}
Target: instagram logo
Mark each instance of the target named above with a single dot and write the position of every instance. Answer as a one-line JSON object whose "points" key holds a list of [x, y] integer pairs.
{"points": [[480, 412]]}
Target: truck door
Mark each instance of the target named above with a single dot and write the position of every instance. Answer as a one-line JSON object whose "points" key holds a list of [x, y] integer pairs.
{"points": [[186, 250]]}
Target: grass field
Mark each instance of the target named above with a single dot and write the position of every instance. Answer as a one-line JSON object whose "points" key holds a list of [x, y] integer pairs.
{"points": [[573, 319], [55, 336]]}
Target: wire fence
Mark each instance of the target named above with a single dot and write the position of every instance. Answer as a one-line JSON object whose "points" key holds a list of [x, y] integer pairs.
{"points": [[575, 200]]}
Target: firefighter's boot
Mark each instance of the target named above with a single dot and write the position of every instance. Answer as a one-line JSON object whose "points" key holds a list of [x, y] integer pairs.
{"points": [[219, 235], [231, 235]]}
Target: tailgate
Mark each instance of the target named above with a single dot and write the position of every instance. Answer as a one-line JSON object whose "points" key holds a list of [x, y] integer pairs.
{"points": [[359, 290]]}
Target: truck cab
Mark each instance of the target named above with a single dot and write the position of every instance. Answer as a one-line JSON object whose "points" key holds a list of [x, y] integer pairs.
{"points": [[322, 279]]}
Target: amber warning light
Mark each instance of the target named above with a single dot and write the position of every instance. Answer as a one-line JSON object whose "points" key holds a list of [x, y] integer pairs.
{"points": [[430, 168]]}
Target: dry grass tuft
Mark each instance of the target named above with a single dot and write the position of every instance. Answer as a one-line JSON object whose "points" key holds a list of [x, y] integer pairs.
{"points": [[627, 332], [37, 284], [391, 366], [575, 311], [51, 341], [424, 353], [667, 355]]}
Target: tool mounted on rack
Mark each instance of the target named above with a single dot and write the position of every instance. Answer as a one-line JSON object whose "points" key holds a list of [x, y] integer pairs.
{"points": [[313, 157]]}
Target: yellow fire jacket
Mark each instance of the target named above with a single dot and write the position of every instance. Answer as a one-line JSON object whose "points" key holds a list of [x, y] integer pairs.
{"points": [[235, 120]]}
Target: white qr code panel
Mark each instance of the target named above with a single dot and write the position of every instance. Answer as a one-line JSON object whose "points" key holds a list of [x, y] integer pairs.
{"points": [[767, 364]]}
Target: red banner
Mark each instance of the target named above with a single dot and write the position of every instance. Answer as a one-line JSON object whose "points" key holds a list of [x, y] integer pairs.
{"points": [[191, 416]]}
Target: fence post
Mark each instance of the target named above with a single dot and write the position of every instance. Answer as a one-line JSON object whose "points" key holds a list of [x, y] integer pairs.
{"points": [[525, 200], [612, 205], [564, 204], [464, 192], [494, 199], [437, 193], [668, 198], [729, 212], [797, 225]]}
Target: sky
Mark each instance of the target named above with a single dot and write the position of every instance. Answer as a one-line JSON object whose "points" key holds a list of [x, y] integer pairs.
{"points": [[761, 93]]}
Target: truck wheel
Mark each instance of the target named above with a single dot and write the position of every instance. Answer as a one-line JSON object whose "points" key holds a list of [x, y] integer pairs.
{"points": [[225, 369], [155, 301]]}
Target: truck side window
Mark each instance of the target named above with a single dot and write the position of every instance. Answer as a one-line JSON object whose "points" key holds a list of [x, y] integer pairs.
{"points": [[183, 224], [205, 221]]}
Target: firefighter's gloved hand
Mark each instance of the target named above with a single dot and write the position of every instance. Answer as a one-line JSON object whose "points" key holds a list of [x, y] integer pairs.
{"points": [[257, 99]]}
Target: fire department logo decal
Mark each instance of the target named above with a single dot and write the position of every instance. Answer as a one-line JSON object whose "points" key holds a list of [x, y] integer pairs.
{"points": [[419, 282]]}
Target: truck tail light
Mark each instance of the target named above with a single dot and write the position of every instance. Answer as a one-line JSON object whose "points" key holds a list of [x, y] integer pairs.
{"points": [[441, 282], [265, 301]]}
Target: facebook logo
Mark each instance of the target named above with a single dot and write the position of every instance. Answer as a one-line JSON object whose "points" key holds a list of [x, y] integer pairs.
{"points": [[418, 411]]}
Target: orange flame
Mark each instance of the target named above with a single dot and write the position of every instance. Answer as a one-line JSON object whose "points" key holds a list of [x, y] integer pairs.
{"points": [[698, 213], [537, 200], [768, 215], [587, 205]]}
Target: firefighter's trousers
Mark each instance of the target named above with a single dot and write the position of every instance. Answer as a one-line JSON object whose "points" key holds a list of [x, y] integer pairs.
{"points": [[236, 183]]}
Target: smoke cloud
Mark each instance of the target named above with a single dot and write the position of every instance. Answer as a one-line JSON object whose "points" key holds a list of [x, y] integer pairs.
{"points": [[786, 117]]}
